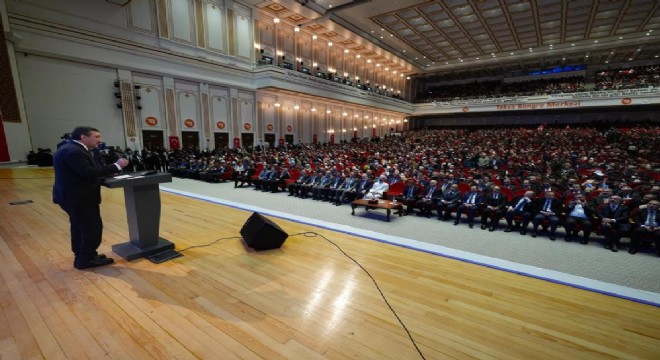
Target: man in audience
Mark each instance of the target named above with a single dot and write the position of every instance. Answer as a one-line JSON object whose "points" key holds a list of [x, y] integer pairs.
{"points": [[427, 199], [614, 222], [470, 203], [409, 196], [522, 206], [647, 227], [578, 212], [448, 202], [378, 188], [494, 206], [549, 210]]}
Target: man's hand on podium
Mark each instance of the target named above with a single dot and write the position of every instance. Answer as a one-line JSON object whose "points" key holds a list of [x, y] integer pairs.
{"points": [[121, 162]]}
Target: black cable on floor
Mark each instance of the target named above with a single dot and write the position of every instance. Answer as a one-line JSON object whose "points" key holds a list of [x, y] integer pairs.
{"points": [[314, 234]]}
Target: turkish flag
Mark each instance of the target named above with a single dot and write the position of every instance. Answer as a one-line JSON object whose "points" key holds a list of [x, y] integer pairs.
{"points": [[174, 143]]}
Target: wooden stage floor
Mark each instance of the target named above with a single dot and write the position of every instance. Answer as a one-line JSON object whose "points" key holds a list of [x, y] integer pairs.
{"points": [[305, 300]]}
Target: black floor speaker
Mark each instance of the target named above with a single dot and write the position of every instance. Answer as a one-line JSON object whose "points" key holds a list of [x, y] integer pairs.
{"points": [[260, 233]]}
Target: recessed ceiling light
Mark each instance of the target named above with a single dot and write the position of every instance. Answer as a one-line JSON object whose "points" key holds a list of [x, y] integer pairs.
{"points": [[586, 56], [510, 53], [629, 59], [595, 41], [381, 29], [477, 58], [572, 44], [620, 37], [447, 62], [607, 62]]}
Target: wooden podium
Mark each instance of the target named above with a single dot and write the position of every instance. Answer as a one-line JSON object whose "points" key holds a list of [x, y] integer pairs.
{"points": [[142, 197]]}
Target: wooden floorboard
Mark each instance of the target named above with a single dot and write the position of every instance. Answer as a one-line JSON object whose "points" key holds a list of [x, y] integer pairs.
{"points": [[303, 301]]}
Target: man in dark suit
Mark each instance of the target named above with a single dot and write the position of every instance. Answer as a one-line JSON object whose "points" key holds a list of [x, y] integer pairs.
{"points": [[648, 225], [494, 208], [521, 206], [448, 202], [548, 209], [614, 222], [430, 195], [578, 212], [470, 203], [362, 187], [409, 196], [77, 190]]}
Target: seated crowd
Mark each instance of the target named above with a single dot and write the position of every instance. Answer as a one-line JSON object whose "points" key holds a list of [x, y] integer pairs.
{"points": [[628, 78], [586, 179], [611, 79]]}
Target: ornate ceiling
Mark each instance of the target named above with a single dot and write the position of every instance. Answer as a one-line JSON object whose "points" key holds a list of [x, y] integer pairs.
{"points": [[452, 39]]}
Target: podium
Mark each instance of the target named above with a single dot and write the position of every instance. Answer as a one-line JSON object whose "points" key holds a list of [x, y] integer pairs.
{"points": [[142, 197]]}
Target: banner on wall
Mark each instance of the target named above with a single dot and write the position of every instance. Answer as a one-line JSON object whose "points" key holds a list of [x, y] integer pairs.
{"points": [[315, 139], [332, 139], [373, 132], [237, 143], [174, 143], [281, 142], [4, 149]]}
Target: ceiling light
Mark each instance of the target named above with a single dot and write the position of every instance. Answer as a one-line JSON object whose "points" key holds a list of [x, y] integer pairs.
{"points": [[345, 51], [572, 44], [620, 37], [296, 107], [314, 109], [329, 43], [358, 56], [510, 53], [276, 21], [314, 37], [277, 105], [296, 29], [595, 41], [629, 59]]}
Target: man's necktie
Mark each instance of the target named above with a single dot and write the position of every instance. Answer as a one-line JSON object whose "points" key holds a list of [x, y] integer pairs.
{"points": [[547, 205], [650, 219], [471, 199]]}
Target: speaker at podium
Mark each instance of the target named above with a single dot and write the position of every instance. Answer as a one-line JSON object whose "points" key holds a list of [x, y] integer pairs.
{"points": [[261, 233]]}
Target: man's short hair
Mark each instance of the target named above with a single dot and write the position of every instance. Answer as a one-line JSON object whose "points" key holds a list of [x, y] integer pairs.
{"points": [[79, 131]]}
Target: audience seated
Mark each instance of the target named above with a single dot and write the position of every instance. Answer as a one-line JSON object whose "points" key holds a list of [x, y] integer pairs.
{"points": [[579, 168]]}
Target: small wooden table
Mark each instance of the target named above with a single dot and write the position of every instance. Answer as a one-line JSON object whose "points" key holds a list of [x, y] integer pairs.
{"points": [[382, 204]]}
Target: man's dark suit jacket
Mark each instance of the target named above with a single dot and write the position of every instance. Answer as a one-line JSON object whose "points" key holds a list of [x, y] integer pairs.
{"points": [[498, 203], [556, 205], [77, 178], [640, 218], [620, 215]]}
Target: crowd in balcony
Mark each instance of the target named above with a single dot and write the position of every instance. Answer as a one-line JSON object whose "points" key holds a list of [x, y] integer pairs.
{"points": [[493, 89], [628, 78], [450, 174], [614, 79]]}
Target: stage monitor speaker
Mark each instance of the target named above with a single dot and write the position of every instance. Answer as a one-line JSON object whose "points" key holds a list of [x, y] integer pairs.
{"points": [[260, 233]]}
